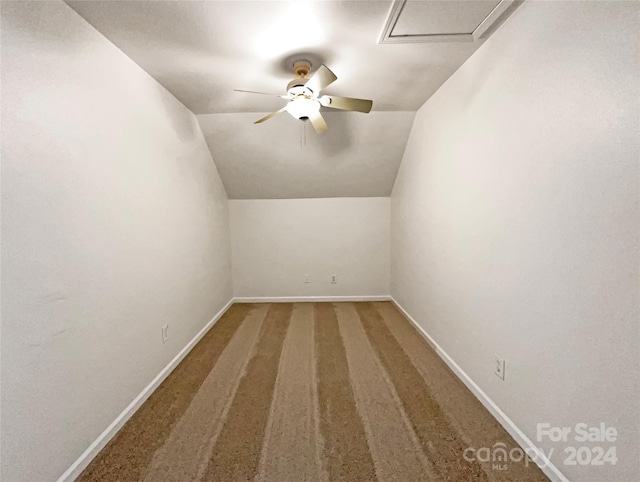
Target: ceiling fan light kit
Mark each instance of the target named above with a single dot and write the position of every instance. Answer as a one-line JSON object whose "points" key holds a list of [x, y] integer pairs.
{"points": [[304, 103], [303, 107]]}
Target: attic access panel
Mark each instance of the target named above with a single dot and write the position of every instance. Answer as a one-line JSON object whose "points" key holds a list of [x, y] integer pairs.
{"points": [[422, 21]]}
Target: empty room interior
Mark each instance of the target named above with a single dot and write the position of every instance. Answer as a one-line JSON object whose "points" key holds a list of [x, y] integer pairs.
{"points": [[285, 241]]}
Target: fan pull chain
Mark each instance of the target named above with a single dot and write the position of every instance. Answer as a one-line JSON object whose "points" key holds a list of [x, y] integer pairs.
{"points": [[303, 135]]}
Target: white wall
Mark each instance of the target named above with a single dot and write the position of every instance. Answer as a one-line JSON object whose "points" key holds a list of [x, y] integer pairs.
{"points": [[515, 222], [275, 242], [114, 222]]}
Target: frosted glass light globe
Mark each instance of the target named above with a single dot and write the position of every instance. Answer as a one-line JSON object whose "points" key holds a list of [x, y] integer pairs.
{"points": [[303, 108]]}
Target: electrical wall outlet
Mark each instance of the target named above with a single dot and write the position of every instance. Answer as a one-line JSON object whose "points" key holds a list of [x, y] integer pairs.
{"points": [[165, 333], [334, 279], [306, 278], [499, 367]]}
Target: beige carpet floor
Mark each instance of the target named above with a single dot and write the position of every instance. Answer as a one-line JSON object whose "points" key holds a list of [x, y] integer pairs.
{"points": [[309, 392]]}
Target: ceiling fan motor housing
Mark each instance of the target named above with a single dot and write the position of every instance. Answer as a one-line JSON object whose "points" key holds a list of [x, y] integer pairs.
{"points": [[297, 82], [301, 68]]}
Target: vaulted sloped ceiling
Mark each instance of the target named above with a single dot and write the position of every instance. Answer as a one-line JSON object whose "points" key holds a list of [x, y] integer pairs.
{"points": [[202, 50]]}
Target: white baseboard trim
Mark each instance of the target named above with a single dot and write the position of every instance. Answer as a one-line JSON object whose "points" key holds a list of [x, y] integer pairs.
{"points": [[301, 299], [88, 455], [549, 469]]}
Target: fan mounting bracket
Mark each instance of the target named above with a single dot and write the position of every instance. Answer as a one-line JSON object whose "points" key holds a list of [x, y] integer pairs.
{"points": [[301, 68]]}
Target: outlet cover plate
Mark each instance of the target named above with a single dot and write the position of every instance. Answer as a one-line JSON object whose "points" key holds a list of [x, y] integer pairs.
{"points": [[499, 367]]}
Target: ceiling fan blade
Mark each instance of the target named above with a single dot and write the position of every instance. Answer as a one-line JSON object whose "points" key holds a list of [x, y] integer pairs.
{"points": [[262, 93], [254, 92], [321, 79], [273, 114], [346, 103], [318, 122]]}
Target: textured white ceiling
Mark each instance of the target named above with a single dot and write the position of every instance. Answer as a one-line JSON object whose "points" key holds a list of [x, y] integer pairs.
{"points": [[202, 50], [358, 156]]}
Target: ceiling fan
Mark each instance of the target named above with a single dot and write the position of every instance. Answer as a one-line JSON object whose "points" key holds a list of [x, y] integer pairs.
{"points": [[303, 95]]}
